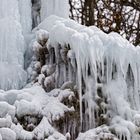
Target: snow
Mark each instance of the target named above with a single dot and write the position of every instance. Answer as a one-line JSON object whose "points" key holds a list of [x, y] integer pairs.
{"points": [[56, 136], [97, 133], [15, 29], [12, 46], [6, 109], [57, 111], [30, 102], [42, 35]]}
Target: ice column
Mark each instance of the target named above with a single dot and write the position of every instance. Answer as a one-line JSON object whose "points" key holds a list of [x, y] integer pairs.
{"points": [[12, 74], [54, 7], [25, 15]]}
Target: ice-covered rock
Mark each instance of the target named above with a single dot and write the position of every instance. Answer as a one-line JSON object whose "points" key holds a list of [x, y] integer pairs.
{"points": [[6, 109], [42, 36]]}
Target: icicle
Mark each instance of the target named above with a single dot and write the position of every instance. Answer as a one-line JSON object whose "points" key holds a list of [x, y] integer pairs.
{"points": [[99, 65]]}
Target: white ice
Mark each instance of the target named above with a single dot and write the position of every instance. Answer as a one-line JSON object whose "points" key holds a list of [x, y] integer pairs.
{"points": [[93, 47], [54, 7]]}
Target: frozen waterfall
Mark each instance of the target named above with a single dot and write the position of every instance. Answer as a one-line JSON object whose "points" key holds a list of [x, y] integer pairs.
{"points": [[105, 69], [85, 84], [54, 7], [12, 46], [25, 8]]}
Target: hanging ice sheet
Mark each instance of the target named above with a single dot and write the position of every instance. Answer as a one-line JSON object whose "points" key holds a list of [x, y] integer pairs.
{"points": [[12, 74], [9, 8], [54, 7]]}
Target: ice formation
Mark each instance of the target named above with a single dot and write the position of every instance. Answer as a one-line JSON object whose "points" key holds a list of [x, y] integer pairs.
{"points": [[84, 85], [42, 9], [54, 7], [25, 15], [12, 74], [9, 8], [36, 5], [12, 44], [34, 109], [105, 71]]}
